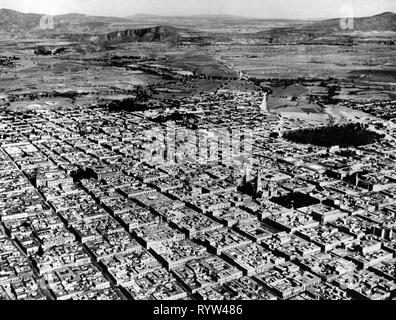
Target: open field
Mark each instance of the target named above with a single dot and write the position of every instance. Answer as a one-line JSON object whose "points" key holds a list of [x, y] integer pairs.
{"points": [[283, 61]]}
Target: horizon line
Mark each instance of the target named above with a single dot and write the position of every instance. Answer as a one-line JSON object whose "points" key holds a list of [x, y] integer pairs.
{"points": [[190, 15]]}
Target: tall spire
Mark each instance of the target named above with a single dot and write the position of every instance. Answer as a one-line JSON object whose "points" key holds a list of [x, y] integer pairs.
{"points": [[246, 175], [258, 182]]}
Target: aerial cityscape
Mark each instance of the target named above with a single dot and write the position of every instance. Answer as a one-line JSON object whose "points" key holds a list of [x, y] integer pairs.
{"points": [[198, 157]]}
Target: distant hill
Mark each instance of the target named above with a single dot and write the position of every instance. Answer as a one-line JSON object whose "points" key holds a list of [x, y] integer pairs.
{"points": [[328, 31], [11, 20], [381, 22], [18, 23]]}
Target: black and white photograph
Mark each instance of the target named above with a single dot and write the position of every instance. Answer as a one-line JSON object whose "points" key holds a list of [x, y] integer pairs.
{"points": [[197, 152]]}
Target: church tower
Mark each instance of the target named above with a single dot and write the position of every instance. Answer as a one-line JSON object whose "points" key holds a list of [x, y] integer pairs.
{"points": [[258, 182], [246, 174]]}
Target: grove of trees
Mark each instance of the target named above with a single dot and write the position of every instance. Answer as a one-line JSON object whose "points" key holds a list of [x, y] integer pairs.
{"points": [[348, 135]]}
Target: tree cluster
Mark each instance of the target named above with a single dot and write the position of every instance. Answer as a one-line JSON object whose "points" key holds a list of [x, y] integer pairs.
{"points": [[349, 135]]}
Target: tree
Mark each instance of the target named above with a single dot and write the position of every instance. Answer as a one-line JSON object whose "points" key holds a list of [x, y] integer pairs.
{"points": [[142, 94]]}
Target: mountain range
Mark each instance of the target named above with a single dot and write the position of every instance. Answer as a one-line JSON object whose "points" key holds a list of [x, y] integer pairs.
{"points": [[151, 28]]}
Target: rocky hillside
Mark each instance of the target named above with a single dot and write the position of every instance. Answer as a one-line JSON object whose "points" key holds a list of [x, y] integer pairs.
{"points": [[154, 34]]}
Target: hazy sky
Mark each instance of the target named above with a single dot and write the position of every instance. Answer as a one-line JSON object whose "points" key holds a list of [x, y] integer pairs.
{"points": [[289, 9]]}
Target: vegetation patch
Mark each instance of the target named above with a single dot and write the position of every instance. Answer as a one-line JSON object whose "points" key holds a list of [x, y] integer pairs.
{"points": [[349, 135]]}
